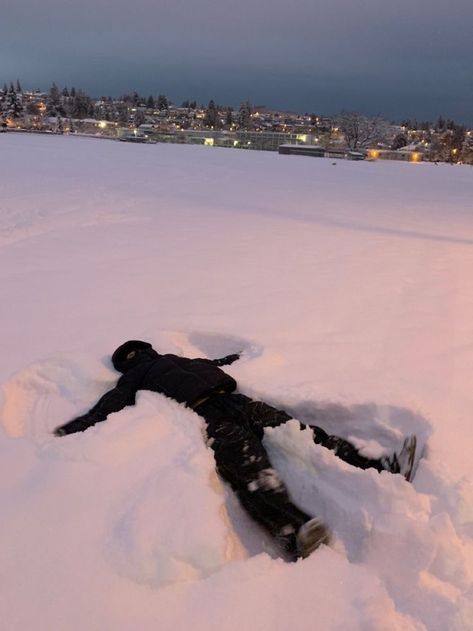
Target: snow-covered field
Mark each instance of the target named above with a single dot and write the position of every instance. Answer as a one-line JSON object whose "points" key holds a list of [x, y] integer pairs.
{"points": [[349, 289]]}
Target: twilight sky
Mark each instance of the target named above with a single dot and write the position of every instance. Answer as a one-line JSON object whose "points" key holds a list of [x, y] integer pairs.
{"points": [[398, 58]]}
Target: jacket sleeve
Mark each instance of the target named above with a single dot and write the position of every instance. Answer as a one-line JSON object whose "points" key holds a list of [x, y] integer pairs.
{"points": [[223, 361], [112, 401]]}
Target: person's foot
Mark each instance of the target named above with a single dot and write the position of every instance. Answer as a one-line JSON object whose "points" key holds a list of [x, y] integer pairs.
{"points": [[403, 462], [310, 536]]}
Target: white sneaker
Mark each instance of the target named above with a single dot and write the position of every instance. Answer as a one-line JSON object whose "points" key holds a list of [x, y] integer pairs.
{"points": [[311, 535]]}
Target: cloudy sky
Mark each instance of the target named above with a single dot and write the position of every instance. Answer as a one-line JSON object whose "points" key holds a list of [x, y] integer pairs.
{"points": [[402, 58]]}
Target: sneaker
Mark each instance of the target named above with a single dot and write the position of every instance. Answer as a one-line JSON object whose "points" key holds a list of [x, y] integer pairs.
{"points": [[310, 536], [403, 462]]}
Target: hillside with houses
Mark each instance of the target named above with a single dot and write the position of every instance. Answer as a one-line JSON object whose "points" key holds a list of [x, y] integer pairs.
{"points": [[138, 119]]}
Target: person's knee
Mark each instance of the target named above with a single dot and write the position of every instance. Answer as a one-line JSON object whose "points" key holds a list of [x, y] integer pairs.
{"points": [[261, 415], [321, 437], [226, 432]]}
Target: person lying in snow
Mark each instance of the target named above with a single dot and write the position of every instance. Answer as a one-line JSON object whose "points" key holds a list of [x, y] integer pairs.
{"points": [[235, 428]]}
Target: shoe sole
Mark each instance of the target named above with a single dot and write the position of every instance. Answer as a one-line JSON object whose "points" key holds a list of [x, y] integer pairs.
{"points": [[313, 535], [410, 447]]}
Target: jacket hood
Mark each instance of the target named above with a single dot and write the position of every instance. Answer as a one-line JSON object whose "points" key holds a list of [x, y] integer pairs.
{"points": [[143, 352]]}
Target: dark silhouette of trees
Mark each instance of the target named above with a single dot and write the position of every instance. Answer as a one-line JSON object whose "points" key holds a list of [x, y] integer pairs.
{"points": [[211, 115]]}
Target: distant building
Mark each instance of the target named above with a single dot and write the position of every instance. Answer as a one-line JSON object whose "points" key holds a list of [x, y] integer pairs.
{"points": [[265, 141], [131, 135], [319, 152], [408, 155], [302, 150], [339, 153], [356, 155]]}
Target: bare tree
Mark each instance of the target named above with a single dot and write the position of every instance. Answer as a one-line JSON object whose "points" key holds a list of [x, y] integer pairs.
{"points": [[139, 118], [359, 130]]}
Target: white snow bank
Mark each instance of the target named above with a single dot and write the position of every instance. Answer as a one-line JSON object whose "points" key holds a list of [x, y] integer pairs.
{"points": [[347, 290]]}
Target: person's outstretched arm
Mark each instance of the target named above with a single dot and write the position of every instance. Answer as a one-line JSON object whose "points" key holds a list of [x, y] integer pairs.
{"points": [[112, 401], [223, 361]]}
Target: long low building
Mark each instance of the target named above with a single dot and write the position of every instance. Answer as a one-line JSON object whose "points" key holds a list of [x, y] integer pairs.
{"points": [[262, 141], [320, 152], [407, 155], [302, 150]]}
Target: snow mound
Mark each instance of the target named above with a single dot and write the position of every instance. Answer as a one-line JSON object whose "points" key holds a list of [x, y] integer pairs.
{"points": [[384, 523]]}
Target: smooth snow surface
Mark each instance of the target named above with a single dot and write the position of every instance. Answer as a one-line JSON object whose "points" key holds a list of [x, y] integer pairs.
{"points": [[349, 289]]}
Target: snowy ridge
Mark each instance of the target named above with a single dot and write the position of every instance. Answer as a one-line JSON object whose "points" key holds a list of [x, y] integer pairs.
{"points": [[352, 311]]}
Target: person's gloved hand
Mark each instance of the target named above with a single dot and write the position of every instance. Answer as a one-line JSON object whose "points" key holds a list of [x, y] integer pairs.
{"points": [[228, 359], [76, 425]]}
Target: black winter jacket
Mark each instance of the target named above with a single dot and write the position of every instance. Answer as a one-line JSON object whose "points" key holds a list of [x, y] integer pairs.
{"points": [[185, 380]]}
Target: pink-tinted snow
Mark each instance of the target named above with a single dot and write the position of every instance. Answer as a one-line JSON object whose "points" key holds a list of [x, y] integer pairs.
{"points": [[349, 289]]}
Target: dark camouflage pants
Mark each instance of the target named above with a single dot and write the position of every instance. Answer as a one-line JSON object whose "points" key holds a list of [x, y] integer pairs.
{"points": [[235, 429]]}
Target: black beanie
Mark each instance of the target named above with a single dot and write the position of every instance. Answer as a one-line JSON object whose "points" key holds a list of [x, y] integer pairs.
{"points": [[119, 359]]}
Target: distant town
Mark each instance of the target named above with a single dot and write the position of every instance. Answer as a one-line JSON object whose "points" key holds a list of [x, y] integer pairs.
{"points": [[139, 119]]}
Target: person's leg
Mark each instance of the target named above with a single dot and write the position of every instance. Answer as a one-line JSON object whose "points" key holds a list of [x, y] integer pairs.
{"points": [[402, 461], [346, 451], [243, 462], [261, 415]]}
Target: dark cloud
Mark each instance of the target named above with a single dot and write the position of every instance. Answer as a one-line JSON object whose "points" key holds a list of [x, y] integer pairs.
{"points": [[405, 58]]}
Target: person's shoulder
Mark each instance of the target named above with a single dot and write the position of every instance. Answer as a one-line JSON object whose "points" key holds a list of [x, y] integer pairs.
{"points": [[182, 361], [179, 357]]}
